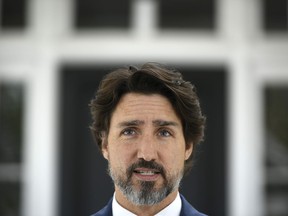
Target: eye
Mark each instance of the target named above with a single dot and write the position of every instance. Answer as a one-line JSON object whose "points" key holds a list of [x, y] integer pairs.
{"points": [[164, 133], [129, 132]]}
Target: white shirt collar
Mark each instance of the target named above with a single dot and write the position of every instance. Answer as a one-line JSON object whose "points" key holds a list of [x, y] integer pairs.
{"points": [[173, 209]]}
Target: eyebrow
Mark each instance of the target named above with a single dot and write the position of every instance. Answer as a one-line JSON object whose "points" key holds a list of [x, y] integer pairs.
{"points": [[165, 123], [158, 123], [130, 123]]}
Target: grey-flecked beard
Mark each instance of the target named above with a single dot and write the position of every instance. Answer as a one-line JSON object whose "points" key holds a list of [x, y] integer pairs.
{"points": [[147, 194]]}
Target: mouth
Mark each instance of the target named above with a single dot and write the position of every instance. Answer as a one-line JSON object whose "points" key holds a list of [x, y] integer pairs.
{"points": [[145, 174]]}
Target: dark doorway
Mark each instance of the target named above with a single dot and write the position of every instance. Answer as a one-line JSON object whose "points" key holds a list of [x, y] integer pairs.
{"points": [[84, 185]]}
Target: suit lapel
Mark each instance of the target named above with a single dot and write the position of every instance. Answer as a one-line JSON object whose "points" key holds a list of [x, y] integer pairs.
{"points": [[106, 211]]}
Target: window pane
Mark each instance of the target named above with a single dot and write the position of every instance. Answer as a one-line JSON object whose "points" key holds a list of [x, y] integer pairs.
{"points": [[91, 14], [275, 15], [11, 111], [187, 14], [13, 14], [9, 199], [276, 115]]}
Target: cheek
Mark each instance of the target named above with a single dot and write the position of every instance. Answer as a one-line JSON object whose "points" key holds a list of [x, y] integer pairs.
{"points": [[179, 155], [173, 159], [120, 156]]}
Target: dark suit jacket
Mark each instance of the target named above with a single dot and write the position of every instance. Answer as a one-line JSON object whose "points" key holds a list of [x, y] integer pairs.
{"points": [[186, 210]]}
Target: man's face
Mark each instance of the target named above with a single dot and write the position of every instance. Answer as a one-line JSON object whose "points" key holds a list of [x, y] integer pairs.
{"points": [[145, 148]]}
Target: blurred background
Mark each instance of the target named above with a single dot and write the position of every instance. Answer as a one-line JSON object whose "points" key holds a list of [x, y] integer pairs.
{"points": [[53, 54]]}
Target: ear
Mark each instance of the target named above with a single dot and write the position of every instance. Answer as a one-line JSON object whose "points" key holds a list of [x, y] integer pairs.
{"points": [[189, 150], [104, 146]]}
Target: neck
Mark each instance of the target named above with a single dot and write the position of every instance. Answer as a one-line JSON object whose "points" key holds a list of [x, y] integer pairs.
{"points": [[144, 210]]}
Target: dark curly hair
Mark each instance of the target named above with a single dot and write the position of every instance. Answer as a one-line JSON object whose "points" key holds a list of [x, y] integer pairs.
{"points": [[151, 78]]}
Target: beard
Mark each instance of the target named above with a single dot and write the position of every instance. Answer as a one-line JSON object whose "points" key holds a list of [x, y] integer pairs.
{"points": [[148, 193]]}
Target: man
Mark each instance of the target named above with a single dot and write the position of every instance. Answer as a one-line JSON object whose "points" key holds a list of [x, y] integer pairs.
{"points": [[147, 123]]}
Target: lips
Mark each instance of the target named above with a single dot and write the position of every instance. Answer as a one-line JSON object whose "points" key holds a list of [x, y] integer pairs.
{"points": [[145, 174], [146, 170]]}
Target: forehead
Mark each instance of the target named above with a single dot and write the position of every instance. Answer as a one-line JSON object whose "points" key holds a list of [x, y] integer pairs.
{"points": [[137, 106]]}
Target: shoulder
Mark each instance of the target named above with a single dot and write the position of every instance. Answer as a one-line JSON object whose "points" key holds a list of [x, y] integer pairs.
{"points": [[188, 209], [106, 211]]}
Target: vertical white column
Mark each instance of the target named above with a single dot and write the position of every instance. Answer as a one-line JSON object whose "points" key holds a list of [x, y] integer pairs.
{"points": [[40, 153], [144, 16], [245, 152]]}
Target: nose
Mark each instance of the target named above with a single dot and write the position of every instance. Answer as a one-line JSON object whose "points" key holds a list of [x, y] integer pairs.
{"points": [[147, 148]]}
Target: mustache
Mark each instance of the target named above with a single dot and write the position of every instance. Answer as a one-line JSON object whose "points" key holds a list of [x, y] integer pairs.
{"points": [[146, 164]]}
